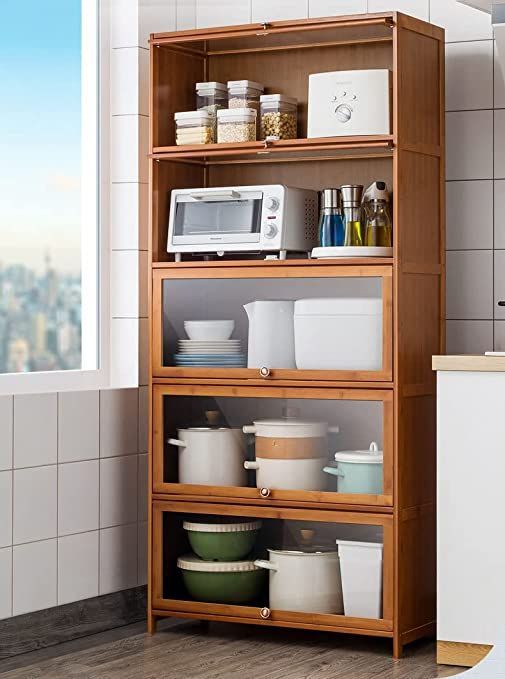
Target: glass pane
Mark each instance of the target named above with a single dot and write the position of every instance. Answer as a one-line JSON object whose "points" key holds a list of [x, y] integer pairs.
{"points": [[215, 217], [295, 566], [303, 323], [274, 443], [41, 177]]}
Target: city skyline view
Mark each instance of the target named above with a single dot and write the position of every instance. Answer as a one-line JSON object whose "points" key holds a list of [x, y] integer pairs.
{"points": [[40, 179]]}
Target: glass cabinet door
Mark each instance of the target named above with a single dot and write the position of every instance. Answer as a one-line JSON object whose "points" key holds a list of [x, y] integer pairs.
{"points": [[328, 568], [285, 322], [307, 445]]}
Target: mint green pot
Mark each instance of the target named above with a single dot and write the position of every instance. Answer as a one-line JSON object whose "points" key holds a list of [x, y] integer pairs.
{"points": [[222, 546], [360, 478], [224, 588]]}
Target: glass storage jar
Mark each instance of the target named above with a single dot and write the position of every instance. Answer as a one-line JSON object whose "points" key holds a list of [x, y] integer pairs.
{"points": [[211, 97], [236, 125], [278, 116], [244, 94], [193, 127]]}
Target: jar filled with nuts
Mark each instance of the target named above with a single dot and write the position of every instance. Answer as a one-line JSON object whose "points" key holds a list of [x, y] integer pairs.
{"points": [[278, 116], [236, 125], [211, 97]]}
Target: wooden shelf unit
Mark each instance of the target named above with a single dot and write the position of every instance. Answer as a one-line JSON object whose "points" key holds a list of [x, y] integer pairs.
{"points": [[411, 160]]}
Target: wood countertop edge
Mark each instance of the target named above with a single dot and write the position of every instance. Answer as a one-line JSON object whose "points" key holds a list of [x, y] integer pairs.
{"points": [[467, 363]]}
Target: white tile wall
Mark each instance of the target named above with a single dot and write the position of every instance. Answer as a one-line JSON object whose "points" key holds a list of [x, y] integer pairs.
{"points": [[78, 567], [499, 83], [6, 415], [78, 425], [212, 13], [143, 419], [35, 430], [461, 23], [118, 491], [464, 200], [142, 488], [469, 75], [5, 509], [499, 144], [417, 8], [499, 214], [499, 335], [469, 139], [185, 14], [5, 583], [118, 558], [470, 284], [78, 497], [35, 504], [118, 422], [142, 553], [469, 337], [155, 16], [34, 576], [266, 10], [125, 359], [499, 284], [321, 8]]}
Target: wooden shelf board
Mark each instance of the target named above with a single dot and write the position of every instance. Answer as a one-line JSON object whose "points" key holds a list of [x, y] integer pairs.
{"points": [[242, 263], [284, 150]]}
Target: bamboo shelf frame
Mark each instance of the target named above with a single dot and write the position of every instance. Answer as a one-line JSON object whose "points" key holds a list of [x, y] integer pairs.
{"points": [[411, 159]]}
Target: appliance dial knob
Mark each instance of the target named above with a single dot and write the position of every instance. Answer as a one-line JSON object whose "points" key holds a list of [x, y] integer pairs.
{"points": [[270, 230], [272, 204], [343, 113]]}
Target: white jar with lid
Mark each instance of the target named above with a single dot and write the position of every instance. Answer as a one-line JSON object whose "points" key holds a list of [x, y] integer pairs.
{"points": [[236, 125], [193, 127], [211, 97], [278, 116], [244, 94]]}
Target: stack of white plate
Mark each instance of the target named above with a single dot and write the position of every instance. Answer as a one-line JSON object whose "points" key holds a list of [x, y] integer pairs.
{"points": [[210, 354]]}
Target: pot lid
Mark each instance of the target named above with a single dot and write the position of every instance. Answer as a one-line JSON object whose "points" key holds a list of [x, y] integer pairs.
{"points": [[313, 550], [221, 527], [289, 422], [190, 562], [206, 430], [338, 306], [371, 456]]}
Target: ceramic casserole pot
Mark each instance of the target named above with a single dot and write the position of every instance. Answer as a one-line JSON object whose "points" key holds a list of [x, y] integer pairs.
{"points": [[222, 582], [359, 471], [222, 541], [290, 453], [211, 456], [305, 581]]}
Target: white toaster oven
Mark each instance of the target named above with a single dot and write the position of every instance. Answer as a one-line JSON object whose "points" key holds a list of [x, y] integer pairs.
{"points": [[349, 103], [271, 219]]}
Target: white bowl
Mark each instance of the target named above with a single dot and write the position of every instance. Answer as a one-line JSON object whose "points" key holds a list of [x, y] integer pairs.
{"points": [[209, 330]]}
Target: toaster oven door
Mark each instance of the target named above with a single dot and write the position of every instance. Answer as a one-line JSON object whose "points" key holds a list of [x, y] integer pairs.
{"points": [[226, 216]]}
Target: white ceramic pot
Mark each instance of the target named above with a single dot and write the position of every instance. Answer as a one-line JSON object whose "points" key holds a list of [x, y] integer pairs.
{"points": [[290, 453], [306, 582], [211, 457], [302, 474]]}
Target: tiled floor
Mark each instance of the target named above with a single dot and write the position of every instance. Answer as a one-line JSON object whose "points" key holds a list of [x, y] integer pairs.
{"points": [[183, 650]]}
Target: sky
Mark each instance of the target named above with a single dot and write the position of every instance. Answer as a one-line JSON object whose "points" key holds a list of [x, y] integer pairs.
{"points": [[40, 118]]}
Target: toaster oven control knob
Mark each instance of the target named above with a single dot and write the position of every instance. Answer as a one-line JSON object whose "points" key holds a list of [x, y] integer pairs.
{"points": [[272, 204], [344, 113], [270, 230]]}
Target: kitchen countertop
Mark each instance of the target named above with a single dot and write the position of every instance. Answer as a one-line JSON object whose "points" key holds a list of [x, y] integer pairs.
{"points": [[469, 363]]}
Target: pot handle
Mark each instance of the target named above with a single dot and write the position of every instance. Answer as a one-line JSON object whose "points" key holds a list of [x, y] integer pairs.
{"points": [[334, 429], [249, 429], [176, 442], [251, 464], [334, 471], [263, 563]]}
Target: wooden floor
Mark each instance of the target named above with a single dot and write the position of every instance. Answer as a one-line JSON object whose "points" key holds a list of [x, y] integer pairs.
{"points": [[189, 650]]}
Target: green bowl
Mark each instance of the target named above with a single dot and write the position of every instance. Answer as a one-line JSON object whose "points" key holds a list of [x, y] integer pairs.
{"points": [[222, 586], [222, 542]]}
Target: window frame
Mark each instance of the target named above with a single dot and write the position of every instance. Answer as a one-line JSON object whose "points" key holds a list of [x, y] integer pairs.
{"points": [[95, 257]]}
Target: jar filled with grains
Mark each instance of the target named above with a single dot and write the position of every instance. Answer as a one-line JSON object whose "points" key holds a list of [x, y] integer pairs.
{"points": [[236, 125], [278, 116], [245, 94], [193, 127], [211, 97]]}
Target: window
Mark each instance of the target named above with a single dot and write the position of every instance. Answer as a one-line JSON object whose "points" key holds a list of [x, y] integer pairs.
{"points": [[49, 187]]}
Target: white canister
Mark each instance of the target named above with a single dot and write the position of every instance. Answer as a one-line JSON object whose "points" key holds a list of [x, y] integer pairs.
{"points": [[304, 581], [361, 578], [211, 457], [271, 338], [290, 453]]}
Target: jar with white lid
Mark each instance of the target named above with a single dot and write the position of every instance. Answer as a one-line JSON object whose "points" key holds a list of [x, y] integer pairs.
{"points": [[193, 127], [244, 94], [211, 97], [278, 116], [236, 125]]}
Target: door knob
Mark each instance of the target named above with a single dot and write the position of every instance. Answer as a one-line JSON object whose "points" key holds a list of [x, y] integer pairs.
{"points": [[265, 492], [265, 613], [265, 372]]}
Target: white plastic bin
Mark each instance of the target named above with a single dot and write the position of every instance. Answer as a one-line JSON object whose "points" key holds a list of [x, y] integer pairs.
{"points": [[361, 569], [342, 333]]}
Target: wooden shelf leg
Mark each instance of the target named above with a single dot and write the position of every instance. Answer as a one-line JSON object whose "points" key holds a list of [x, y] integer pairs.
{"points": [[397, 647], [151, 623]]}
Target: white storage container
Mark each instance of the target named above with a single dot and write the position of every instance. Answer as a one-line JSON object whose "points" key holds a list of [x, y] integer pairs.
{"points": [[338, 333], [361, 571]]}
